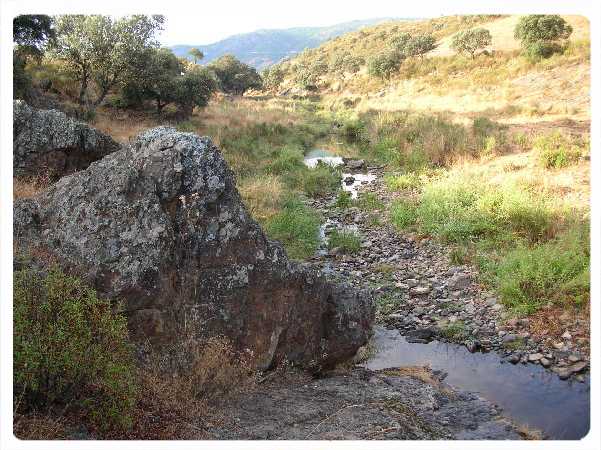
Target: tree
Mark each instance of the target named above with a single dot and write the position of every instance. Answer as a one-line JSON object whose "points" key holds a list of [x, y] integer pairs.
{"points": [[31, 33], [102, 49], [385, 64], [155, 78], [196, 54], [540, 35], [162, 78], [194, 88], [419, 45], [470, 41], [541, 28], [234, 76], [272, 76]]}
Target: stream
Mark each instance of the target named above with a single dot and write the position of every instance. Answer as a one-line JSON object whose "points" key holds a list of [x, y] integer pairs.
{"points": [[527, 393]]}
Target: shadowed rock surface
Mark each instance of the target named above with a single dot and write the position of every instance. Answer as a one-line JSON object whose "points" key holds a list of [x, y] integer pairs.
{"points": [[361, 404], [161, 225], [49, 140]]}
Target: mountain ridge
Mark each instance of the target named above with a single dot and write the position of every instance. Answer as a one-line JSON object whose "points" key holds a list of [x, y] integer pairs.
{"points": [[264, 47]]}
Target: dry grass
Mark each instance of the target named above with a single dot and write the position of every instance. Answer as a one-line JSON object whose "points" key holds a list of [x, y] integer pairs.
{"points": [[37, 427], [29, 187], [422, 373], [262, 196], [123, 126], [528, 433]]}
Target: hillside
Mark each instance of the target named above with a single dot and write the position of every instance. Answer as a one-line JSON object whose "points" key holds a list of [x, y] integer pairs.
{"points": [[500, 83], [262, 48]]}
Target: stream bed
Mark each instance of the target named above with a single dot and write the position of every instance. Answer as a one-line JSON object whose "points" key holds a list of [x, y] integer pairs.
{"points": [[529, 394]]}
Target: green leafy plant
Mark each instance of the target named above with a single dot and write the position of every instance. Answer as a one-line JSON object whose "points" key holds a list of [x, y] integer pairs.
{"points": [[71, 349]]}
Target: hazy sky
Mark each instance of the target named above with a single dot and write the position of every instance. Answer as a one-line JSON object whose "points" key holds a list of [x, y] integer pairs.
{"points": [[204, 22], [218, 23]]}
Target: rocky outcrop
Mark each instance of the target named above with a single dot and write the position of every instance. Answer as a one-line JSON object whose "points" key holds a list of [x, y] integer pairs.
{"points": [[50, 141], [161, 225]]}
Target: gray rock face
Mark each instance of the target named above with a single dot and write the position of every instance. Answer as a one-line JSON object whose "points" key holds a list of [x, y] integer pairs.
{"points": [[48, 140], [161, 225]]}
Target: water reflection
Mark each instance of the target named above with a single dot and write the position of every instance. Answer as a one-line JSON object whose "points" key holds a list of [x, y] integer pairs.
{"points": [[528, 393]]}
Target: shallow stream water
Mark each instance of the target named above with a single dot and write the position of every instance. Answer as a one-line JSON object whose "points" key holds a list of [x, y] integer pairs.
{"points": [[529, 394]]}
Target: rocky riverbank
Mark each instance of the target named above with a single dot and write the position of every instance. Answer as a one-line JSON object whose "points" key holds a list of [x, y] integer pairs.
{"points": [[422, 294]]}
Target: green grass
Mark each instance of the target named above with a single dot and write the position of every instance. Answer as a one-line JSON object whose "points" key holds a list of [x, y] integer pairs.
{"points": [[410, 180], [459, 209], [297, 227], [403, 213], [369, 201], [520, 239], [555, 272], [320, 181], [344, 200], [453, 331], [347, 241]]}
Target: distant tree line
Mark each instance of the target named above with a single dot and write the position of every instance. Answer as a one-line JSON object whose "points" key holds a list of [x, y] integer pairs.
{"points": [[104, 55]]}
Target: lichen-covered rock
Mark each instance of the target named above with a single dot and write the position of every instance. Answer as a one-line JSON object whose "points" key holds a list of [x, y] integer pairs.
{"points": [[49, 140], [161, 225]]}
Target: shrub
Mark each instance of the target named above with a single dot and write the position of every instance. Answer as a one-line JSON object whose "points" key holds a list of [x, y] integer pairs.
{"points": [[555, 151], [297, 227], [71, 349], [541, 50], [385, 64], [353, 131], [554, 272], [346, 241], [472, 40], [419, 45]]}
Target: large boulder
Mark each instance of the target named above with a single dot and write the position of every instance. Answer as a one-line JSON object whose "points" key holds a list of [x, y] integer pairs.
{"points": [[50, 141], [161, 225]]}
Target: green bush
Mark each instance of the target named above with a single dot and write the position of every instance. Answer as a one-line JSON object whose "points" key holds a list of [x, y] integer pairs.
{"points": [[541, 50], [555, 150], [385, 64], [409, 180], [296, 227], [346, 241], [555, 272], [353, 131], [71, 349]]}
